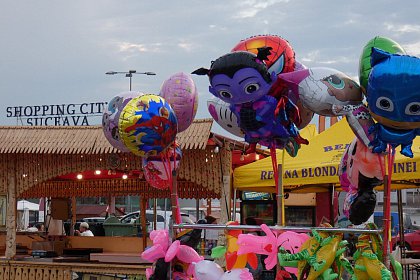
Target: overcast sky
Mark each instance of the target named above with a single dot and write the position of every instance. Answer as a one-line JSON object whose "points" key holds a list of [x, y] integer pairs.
{"points": [[55, 52]]}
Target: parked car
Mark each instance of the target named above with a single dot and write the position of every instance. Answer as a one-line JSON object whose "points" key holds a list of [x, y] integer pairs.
{"points": [[395, 223], [95, 225], [411, 240], [162, 221]]}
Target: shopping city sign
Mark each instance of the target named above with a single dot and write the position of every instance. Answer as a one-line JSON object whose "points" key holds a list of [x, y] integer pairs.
{"points": [[58, 114]]}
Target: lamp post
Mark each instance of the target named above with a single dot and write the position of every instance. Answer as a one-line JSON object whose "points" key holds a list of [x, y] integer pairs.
{"points": [[130, 73]]}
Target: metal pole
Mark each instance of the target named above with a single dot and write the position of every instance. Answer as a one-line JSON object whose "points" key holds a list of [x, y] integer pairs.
{"points": [[275, 228], [131, 75], [401, 223], [386, 220], [234, 205], [280, 196], [154, 213], [197, 209]]}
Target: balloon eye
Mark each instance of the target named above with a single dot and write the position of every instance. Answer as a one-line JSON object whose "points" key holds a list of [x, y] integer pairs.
{"points": [[225, 94], [251, 88], [384, 103], [335, 81], [413, 109]]}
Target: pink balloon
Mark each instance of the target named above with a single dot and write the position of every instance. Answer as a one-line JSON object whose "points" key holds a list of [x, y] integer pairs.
{"points": [[181, 93], [249, 243], [292, 241], [172, 251], [149, 272], [160, 237], [111, 116], [156, 170], [187, 254], [153, 253]]}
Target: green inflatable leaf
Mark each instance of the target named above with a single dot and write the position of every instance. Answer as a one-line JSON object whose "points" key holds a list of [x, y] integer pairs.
{"points": [[218, 252]]}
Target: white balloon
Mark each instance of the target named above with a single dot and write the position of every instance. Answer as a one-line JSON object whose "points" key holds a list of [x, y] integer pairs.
{"points": [[237, 274], [222, 114], [207, 270]]}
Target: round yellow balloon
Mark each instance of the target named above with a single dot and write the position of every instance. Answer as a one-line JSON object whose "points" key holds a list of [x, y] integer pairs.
{"points": [[147, 125]]}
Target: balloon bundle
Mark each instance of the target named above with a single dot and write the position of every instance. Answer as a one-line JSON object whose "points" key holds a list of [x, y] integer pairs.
{"points": [[265, 95], [147, 124]]}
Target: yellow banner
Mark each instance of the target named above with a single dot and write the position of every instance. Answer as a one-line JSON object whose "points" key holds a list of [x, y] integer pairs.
{"points": [[317, 163]]}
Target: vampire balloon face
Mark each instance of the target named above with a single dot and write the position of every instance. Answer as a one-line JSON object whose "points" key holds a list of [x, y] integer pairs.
{"points": [[246, 85]]}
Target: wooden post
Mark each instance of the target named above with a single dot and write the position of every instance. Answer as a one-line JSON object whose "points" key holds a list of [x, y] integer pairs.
{"points": [[73, 215], [225, 157], [11, 210], [143, 202], [208, 206], [112, 205], [321, 124]]}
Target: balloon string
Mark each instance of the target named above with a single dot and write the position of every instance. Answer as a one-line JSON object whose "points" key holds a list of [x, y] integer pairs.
{"points": [[283, 212], [276, 176]]}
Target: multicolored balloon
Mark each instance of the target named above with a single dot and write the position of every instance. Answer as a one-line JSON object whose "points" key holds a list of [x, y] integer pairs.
{"points": [[281, 58], [329, 92], [242, 80], [378, 42], [359, 172], [223, 115], [157, 169], [181, 93], [147, 125], [393, 95], [111, 116]]}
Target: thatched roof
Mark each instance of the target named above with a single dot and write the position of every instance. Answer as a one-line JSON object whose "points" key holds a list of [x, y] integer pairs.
{"points": [[83, 139]]}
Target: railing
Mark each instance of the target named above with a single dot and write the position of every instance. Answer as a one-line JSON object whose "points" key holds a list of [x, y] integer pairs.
{"points": [[28, 270], [275, 228]]}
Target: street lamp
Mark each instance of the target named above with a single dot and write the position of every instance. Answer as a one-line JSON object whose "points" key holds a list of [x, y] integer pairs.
{"points": [[130, 73]]}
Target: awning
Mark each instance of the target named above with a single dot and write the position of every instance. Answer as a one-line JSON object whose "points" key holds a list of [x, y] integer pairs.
{"points": [[317, 164]]}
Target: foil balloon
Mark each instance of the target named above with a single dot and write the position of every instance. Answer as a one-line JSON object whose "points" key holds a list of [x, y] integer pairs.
{"points": [[365, 66], [147, 125], [111, 116], [321, 88], [282, 56], [156, 169], [181, 93], [223, 115], [243, 80], [329, 92], [393, 95], [359, 172]]}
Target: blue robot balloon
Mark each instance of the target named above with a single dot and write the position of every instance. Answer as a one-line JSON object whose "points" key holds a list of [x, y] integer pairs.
{"points": [[393, 95]]}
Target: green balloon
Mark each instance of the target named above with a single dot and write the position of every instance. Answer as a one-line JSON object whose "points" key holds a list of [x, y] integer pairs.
{"points": [[379, 42]]}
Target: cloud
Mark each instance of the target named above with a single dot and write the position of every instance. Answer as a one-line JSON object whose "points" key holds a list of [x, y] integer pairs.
{"points": [[250, 8], [133, 47], [412, 49], [402, 28]]}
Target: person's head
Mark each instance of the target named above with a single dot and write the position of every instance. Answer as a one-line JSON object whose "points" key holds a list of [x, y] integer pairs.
{"points": [[39, 226], [83, 227]]}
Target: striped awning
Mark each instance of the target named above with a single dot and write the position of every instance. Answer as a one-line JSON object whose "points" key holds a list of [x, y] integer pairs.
{"points": [[83, 139]]}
